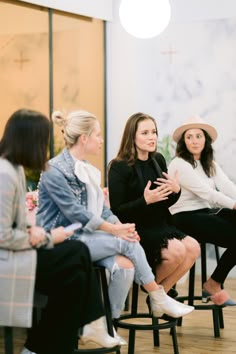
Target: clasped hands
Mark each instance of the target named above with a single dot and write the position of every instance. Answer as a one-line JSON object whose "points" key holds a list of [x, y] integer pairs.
{"points": [[165, 186], [126, 232]]}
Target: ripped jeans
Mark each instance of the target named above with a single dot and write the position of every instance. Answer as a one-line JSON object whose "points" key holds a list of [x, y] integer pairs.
{"points": [[104, 248], [120, 282]]}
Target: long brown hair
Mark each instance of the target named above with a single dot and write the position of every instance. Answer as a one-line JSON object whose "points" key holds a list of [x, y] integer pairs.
{"points": [[25, 139], [206, 157], [127, 150]]}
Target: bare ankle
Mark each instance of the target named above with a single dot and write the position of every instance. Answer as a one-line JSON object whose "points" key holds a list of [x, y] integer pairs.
{"points": [[212, 286]]}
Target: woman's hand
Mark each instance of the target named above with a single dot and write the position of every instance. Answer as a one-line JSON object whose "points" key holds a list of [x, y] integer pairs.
{"points": [[59, 234], [156, 195], [171, 183], [125, 231], [37, 235]]}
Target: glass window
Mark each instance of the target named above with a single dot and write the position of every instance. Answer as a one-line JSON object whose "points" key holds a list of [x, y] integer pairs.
{"points": [[23, 59]]}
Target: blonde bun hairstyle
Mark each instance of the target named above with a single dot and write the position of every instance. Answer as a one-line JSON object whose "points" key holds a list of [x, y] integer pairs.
{"points": [[75, 124], [58, 118]]}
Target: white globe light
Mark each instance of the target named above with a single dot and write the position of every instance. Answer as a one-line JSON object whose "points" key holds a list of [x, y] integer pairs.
{"points": [[144, 18]]}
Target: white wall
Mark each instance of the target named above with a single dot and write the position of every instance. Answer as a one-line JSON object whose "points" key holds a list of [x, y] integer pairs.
{"points": [[198, 10], [199, 78]]}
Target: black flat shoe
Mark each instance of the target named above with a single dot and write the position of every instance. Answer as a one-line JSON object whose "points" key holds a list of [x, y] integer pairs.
{"points": [[164, 316]]}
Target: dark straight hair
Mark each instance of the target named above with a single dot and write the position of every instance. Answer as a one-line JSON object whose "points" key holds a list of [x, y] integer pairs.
{"points": [[25, 139]]}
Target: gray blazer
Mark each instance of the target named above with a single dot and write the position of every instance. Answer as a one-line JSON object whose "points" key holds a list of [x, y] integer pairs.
{"points": [[17, 258]]}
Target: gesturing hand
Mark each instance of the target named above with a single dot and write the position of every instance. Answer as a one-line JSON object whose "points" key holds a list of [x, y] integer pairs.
{"points": [[156, 195], [171, 183]]}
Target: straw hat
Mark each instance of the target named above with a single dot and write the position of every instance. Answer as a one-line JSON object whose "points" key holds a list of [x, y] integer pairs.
{"points": [[194, 123]]}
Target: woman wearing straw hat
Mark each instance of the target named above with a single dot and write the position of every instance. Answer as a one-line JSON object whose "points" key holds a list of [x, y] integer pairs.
{"points": [[206, 207]]}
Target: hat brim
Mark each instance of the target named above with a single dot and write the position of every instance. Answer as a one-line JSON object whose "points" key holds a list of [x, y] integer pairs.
{"points": [[208, 128]]}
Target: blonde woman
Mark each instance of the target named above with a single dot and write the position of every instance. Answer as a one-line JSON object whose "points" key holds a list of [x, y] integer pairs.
{"points": [[69, 191]]}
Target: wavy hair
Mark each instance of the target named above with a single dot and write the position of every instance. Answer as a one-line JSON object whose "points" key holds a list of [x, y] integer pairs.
{"points": [[206, 158], [127, 150]]}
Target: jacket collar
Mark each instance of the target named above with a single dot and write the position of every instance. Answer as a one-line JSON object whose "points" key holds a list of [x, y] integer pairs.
{"points": [[70, 162]]}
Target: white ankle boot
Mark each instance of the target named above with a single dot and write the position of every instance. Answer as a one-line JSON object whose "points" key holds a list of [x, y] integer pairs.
{"points": [[96, 332], [121, 340], [162, 304]]}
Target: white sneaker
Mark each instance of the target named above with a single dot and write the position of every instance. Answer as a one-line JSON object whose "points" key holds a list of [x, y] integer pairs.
{"points": [[26, 351], [96, 332]]}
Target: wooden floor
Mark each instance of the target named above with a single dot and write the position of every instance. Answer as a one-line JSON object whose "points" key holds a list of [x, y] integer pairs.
{"points": [[194, 337]]}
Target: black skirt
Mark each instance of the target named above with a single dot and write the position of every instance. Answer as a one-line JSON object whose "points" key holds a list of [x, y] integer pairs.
{"points": [[153, 239]]}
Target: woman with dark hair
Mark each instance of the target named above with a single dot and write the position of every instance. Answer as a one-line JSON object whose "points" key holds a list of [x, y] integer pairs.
{"points": [[32, 258], [70, 191], [206, 207], [141, 191]]}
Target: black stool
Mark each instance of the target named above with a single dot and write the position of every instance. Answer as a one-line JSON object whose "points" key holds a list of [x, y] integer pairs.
{"points": [[217, 312], [101, 274], [155, 326], [8, 340]]}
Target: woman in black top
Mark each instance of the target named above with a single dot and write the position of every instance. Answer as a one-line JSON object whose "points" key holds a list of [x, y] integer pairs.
{"points": [[141, 191]]}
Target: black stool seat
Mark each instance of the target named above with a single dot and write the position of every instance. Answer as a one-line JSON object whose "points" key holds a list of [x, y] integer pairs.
{"points": [[191, 298], [155, 326]]}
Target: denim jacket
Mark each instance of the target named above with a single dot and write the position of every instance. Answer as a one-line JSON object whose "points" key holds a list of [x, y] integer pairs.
{"points": [[63, 198]]}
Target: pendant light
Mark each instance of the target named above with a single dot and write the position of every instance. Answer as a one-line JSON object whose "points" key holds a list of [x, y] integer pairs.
{"points": [[144, 18]]}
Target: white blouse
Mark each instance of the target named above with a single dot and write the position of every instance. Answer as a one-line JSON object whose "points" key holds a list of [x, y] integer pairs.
{"points": [[199, 191]]}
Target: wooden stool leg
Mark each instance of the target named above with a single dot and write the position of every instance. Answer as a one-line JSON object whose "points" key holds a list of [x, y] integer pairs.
{"points": [[127, 303], [174, 340], [203, 263], [221, 317], [8, 340], [220, 311], [155, 333], [215, 315], [191, 287], [131, 347], [106, 301]]}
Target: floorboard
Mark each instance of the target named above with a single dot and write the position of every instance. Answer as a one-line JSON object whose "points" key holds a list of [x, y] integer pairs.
{"points": [[194, 337]]}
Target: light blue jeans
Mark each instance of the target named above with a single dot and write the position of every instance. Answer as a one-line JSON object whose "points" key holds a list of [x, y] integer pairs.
{"points": [[104, 248]]}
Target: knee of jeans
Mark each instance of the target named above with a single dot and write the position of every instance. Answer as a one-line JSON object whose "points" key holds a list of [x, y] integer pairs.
{"points": [[123, 262], [126, 273]]}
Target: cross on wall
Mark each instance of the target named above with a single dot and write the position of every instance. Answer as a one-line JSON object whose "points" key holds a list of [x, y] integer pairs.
{"points": [[21, 61], [170, 52]]}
